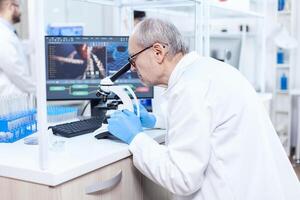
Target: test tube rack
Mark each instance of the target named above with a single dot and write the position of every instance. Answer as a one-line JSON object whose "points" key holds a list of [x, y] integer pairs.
{"points": [[16, 126]]}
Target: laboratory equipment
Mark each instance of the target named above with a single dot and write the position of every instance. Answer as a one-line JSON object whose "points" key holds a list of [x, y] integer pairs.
{"points": [[61, 113], [281, 5], [128, 100], [17, 117], [123, 92], [31, 141], [78, 127], [280, 56], [226, 49], [106, 87], [283, 82]]}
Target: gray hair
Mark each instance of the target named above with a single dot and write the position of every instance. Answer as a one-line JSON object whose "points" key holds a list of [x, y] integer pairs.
{"points": [[152, 30]]}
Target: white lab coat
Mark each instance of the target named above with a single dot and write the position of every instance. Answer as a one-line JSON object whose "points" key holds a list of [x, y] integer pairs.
{"points": [[220, 142], [14, 68]]}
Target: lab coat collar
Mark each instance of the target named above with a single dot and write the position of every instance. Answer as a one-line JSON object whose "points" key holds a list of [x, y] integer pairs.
{"points": [[7, 24], [181, 66]]}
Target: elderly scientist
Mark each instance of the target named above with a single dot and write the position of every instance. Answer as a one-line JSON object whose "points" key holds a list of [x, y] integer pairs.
{"points": [[14, 68], [220, 142]]}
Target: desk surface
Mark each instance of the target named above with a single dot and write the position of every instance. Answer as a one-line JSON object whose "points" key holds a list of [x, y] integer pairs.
{"points": [[80, 155]]}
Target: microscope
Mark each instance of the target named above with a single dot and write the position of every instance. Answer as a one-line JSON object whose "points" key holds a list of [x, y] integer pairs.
{"points": [[125, 97], [123, 92]]}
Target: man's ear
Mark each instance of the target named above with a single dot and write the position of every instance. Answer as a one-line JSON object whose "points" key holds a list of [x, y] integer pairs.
{"points": [[159, 52]]}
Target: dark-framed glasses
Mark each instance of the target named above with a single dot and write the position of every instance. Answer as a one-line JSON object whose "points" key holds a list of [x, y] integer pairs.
{"points": [[131, 59]]}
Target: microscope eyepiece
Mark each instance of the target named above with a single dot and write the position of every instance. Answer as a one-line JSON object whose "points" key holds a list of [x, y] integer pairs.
{"points": [[121, 71], [108, 81]]}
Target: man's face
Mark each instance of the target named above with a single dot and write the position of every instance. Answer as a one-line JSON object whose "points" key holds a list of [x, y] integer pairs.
{"points": [[14, 10], [144, 63], [16, 16]]}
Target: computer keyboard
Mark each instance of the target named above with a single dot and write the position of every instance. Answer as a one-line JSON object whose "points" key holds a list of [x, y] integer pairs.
{"points": [[78, 127]]}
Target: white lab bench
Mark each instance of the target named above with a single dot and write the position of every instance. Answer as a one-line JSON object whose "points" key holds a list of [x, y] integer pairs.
{"points": [[82, 165]]}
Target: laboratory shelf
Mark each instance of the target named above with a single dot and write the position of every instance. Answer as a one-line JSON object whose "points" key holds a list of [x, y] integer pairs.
{"points": [[183, 8], [143, 4], [216, 10], [230, 35], [160, 4], [282, 111], [282, 92], [287, 19], [220, 11], [284, 13], [102, 2], [295, 92], [283, 66], [183, 11]]}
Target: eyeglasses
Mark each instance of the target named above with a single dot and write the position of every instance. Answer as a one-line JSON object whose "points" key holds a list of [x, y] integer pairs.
{"points": [[132, 58]]}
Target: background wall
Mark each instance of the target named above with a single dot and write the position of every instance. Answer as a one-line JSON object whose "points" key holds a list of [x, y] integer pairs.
{"points": [[296, 78], [22, 28], [96, 19]]}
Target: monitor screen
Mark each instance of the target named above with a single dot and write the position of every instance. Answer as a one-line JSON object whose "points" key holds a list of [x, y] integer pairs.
{"points": [[76, 64]]}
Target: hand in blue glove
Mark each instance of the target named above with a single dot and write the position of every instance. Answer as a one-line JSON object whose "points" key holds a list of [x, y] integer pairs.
{"points": [[148, 120], [125, 125]]}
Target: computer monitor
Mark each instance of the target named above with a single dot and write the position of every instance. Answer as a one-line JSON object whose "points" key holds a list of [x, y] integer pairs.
{"points": [[76, 64], [226, 49]]}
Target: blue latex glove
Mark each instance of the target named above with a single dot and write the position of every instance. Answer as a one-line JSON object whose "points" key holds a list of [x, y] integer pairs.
{"points": [[125, 125], [148, 120]]}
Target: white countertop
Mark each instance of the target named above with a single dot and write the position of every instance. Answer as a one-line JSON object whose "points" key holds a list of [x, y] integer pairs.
{"points": [[80, 155]]}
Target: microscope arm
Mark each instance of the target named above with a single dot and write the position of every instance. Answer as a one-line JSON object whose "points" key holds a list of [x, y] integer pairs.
{"points": [[121, 92], [107, 86]]}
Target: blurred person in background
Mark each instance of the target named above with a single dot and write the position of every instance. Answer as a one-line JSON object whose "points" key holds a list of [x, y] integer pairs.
{"points": [[14, 67]]}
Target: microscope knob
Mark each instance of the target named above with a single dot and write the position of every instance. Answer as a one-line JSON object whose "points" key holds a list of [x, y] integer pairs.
{"points": [[98, 94]]}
